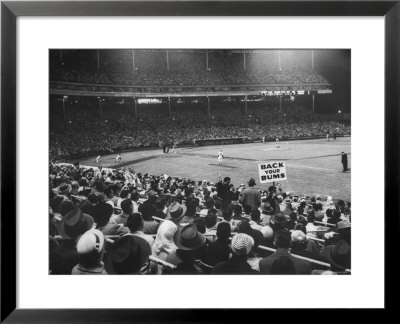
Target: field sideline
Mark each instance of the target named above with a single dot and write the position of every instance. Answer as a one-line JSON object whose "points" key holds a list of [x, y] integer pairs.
{"points": [[313, 166]]}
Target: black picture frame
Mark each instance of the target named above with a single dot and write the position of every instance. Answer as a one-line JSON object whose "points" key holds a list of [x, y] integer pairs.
{"points": [[10, 10]]}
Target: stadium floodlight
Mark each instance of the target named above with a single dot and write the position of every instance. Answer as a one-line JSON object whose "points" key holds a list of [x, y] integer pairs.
{"points": [[339, 111], [65, 97]]}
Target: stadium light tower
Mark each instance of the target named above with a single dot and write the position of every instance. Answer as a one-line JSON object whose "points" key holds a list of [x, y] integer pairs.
{"points": [[63, 104], [339, 111], [100, 107]]}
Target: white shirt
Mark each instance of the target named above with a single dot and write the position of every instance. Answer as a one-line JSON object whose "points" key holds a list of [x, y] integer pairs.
{"points": [[220, 155]]}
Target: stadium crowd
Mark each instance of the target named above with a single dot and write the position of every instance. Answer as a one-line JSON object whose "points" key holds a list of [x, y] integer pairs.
{"points": [[188, 123], [118, 221], [184, 69]]}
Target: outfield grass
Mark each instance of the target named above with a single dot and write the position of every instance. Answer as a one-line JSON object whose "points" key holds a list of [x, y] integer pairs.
{"points": [[313, 166]]}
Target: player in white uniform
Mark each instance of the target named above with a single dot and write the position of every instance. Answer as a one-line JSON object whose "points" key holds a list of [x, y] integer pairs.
{"points": [[220, 157], [118, 158], [98, 159], [174, 147], [277, 142]]}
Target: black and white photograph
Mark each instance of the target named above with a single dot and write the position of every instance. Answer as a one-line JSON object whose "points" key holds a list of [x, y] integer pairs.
{"points": [[199, 161]]}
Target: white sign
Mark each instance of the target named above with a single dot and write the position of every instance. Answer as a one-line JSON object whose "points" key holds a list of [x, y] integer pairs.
{"points": [[272, 171]]}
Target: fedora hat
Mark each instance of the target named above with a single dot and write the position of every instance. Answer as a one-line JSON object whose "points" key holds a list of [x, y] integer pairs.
{"points": [[127, 255], [279, 218], [266, 208], [189, 238], [64, 188], [176, 211], [338, 255], [74, 224]]}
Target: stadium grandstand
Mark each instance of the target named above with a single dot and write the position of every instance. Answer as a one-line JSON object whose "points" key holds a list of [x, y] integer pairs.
{"points": [[119, 217]]}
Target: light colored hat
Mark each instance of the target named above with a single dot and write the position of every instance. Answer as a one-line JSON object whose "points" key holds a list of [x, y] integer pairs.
{"points": [[267, 232], [298, 237], [92, 240], [242, 244]]}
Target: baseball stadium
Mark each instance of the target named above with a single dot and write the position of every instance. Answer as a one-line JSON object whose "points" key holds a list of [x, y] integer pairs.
{"points": [[200, 161]]}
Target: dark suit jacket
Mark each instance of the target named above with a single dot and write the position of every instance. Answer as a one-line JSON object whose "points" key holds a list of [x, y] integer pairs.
{"points": [[251, 196], [302, 266], [344, 158], [235, 265]]}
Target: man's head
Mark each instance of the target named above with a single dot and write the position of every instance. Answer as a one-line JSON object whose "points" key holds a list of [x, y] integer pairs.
{"points": [[127, 206], [282, 239], [237, 210], [227, 180], [211, 218], [223, 231], [209, 203], [252, 182], [135, 222]]}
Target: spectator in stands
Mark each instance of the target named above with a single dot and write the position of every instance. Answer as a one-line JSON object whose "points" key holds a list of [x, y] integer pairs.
{"points": [[127, 210], [211, 224], [90, 248], [224, 191], [273, 200], [175, 212], [72, 226], [135, 224], [267, 212], [241, 247], [150, 225], [283, 243], [251, 196], [255, 219], [64, 190], [283, 265], [187, 239], [190, 214], [338, 256], [219, 250], [303, 246], [128, 255], [164, 242]]}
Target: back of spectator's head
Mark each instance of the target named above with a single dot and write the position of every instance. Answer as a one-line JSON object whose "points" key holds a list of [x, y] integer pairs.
{"points": [[336, 214], [282, 239], [124, 193], [283, 265], [108, 192], [93, 198], [135, 195], [227, 179], [135, 222], [211, 218], [242, 244], [237, 210], [298, 237], [147, 212], [223, 231], [252, 182], [247, 209], [244, 227], [227, 215], [310, 216], [127, 206], [209, 203], [200, 224], [255, 215], [66, 206], [267, 232], [90, 247], [293, 216]]}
